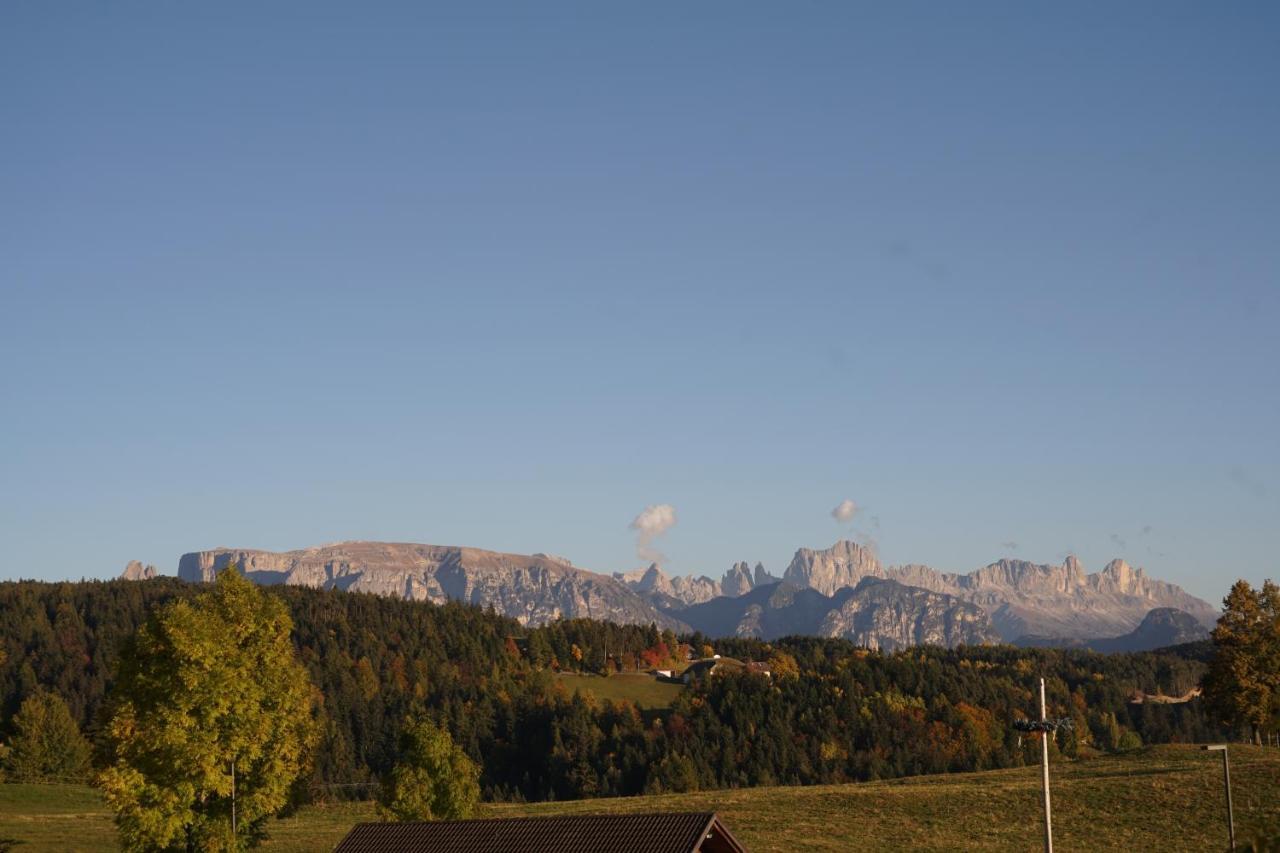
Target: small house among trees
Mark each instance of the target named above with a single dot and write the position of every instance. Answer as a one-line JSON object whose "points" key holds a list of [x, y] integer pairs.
{"points": [[695, 832], [700, 669]]}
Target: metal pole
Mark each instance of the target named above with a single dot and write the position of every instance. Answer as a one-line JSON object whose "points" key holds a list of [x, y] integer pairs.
{"points": [[1226, 780], [1044, 763]]}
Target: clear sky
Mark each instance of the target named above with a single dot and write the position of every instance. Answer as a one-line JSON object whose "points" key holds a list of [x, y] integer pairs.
{"points": [[279, 274]]}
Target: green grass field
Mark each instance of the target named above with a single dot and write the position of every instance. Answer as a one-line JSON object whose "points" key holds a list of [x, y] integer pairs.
{"points": [[1162, 798], [643, 691]]}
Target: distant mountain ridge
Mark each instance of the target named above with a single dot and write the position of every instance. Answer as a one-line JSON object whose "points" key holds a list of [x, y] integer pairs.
{"points": [[877, 613], [533, 589], [821, 592], [1160, 628], [1022, 598], [687, 589]]}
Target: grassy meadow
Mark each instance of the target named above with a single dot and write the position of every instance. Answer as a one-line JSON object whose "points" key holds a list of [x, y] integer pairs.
{"points": [[640, 689], [1160, 798]]}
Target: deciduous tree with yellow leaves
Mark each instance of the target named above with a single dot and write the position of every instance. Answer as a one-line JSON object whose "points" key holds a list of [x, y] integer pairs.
{"points": [[211, 722]]}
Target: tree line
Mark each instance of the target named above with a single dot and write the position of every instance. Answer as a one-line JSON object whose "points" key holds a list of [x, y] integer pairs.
{"points": [[832, 712]]}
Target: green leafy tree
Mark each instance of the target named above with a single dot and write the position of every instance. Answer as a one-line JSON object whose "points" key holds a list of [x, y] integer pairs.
{"points": [[1243, 681], [433, 778], [47, 745], [1129, 740], [212, 717]]}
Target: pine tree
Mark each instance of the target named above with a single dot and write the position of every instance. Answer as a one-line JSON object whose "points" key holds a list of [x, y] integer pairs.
{"points": [[1243, 681]]}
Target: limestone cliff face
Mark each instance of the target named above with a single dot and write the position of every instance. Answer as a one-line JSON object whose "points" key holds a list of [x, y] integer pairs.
{"points": [[884, 614], [692, 590], [1022, 598], [737, 581], [135, 571], [842, 565], [532, 589], [762, 577], [878, 614]]}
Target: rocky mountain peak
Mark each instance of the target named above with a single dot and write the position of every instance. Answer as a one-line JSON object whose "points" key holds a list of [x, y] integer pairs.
{"points": [[763, 578], [842, 565], [135, 571], [1122, 575], [737, 581], [1072, 564], [655, 579]]}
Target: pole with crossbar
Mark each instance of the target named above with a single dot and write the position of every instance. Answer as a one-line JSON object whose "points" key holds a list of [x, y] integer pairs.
{"points": [[1044, 727], [1226, 783]]}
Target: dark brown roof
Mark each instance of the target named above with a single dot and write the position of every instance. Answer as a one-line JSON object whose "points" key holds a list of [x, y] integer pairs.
{"points": [[634, 833]]}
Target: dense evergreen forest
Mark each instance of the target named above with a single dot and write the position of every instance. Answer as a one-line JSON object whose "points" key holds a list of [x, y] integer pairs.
{"points": [[831, 712]]}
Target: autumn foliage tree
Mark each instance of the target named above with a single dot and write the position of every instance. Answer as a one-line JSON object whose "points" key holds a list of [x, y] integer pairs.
{"points": [[433, 779], [1243, 681], [47, 745], [212, 717]]}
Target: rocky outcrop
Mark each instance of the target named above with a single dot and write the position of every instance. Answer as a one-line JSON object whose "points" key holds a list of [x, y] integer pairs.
{"points": [[878, 614], [669, 592], [648, 581], [842, 565], [692, 590], [884, 614], [737, 581], [1022, 598], [532, 589], [135, 571]]}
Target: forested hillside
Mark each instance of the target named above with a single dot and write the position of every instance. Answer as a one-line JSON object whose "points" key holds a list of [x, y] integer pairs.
{"points": [[832, 712]]}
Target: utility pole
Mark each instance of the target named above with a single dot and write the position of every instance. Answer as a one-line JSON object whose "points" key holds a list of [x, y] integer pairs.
{"points": [[1226, 782], [1044, 767], [1045, 727]]}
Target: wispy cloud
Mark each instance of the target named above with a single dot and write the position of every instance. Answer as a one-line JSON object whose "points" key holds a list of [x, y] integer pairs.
{"points": [[651, 523]]}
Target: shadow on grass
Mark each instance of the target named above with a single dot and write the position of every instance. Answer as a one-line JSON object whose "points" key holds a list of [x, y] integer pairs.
{"points": [[1122, 774]]}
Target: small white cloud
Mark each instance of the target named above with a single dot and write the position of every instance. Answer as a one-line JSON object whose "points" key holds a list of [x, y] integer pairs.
{"points": [[651, 523], [844, 511]]}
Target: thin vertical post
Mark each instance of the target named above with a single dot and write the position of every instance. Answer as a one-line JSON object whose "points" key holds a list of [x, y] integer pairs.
{"points": [[1044, 765], [1226, 780], [233, 798]]}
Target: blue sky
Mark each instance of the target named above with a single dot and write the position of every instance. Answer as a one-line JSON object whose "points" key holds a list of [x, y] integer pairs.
{"points": [[504, 275]]}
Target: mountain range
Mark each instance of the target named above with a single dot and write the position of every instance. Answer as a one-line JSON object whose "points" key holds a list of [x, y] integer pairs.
{"points": [[841, 591]]}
